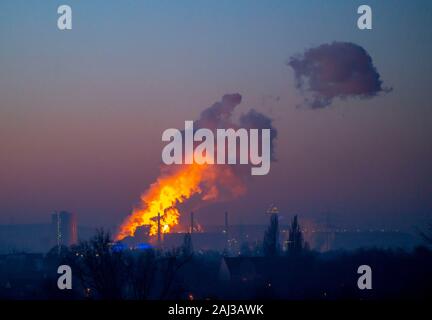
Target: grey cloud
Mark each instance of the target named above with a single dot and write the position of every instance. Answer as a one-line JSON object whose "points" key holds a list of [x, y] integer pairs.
{"points": [[335, 70]]}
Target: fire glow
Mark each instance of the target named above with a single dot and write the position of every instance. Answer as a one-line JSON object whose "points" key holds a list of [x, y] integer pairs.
{"points": [[179, 182], [174, 188], [162, 198], [205, 152]]}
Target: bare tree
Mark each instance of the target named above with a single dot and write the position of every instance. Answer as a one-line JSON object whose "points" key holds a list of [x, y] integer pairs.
{"points": [[108, 271], [143, 275], [171, 263], [295, 238], [187, 247], [271, 245], [100, 268]]}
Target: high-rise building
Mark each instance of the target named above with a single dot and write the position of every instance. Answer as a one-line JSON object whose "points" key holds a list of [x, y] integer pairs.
{"points": [[64, 228]]}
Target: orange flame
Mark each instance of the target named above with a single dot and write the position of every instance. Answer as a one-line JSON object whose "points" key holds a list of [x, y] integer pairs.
{"points": [[172, 189], [162, 197]]}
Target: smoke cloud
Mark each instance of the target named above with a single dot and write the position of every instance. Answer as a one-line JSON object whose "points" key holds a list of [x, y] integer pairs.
{"points": [[231, 181], [203, 183], [336, 70], [221, 116]]}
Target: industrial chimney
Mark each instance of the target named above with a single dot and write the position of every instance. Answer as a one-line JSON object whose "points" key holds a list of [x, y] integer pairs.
{"points": [[227, 246], [226, 223], [158, 230], [191, 222], [64, 228]]}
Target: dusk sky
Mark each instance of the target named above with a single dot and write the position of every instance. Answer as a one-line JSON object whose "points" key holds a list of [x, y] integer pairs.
{"points": [[82, 111]]}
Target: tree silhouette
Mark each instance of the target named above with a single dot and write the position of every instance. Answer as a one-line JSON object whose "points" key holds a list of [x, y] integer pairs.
{"points": [[142, 278], [295, 239], [101, 270], [245, 250], [187, 247], [427, 235], [271, 246]]}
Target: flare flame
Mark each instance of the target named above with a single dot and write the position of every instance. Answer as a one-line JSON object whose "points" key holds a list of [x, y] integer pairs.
{"points": [[162, 197]]}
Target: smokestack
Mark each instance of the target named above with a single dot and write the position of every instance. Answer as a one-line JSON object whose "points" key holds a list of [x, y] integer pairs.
{"points": [[226, 233], [191, 222], [226, 222], [158, 230], [64, 227]]}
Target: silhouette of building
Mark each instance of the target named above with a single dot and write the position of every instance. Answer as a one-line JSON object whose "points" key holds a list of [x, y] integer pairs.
{"points": [[64, 227]]}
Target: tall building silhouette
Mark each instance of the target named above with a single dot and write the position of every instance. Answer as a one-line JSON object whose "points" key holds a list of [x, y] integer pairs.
{"points": [[64, 228]]}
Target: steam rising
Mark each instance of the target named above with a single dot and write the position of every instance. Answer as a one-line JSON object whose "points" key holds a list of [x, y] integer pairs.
{"points": [[335, 70], [178, 183]]}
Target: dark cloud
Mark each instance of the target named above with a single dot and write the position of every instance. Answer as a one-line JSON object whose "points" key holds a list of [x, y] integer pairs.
{"points": [[232, 179], [256, 120], [335, 70], [220, 116]]}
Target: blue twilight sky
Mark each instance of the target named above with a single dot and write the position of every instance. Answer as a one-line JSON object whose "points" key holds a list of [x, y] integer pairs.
{"points": [[82, 111]]}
